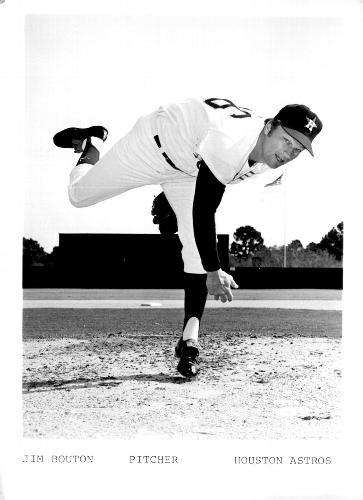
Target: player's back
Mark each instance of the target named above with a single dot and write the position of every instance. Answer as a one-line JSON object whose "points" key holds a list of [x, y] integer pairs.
{"points": [[181, 127]]}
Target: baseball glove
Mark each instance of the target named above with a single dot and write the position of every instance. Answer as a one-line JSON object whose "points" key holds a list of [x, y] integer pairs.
{"points": [[164, 215]]}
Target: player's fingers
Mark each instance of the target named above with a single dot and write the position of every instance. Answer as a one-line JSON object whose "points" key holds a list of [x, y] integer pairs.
{"points": [[229, 294], [223, 294], [220, 296], [233, 284]]}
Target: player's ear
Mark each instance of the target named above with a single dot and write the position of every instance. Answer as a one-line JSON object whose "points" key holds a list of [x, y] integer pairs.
{"points": [[268, 127]]}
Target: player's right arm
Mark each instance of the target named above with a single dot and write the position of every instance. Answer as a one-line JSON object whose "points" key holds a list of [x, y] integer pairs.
{"points": [[208, 195]]}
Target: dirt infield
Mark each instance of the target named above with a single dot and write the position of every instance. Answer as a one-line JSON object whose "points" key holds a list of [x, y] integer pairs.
{"points": [[267, 374]]}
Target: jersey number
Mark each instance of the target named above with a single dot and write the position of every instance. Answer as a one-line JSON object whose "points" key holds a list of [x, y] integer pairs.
{"points": [[226, 103]]}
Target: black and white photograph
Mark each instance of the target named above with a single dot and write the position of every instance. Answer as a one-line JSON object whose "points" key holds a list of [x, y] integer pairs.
{"points": [[180, 277], [184, 262]]}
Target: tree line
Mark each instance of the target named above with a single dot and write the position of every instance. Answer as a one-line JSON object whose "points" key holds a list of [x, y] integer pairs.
{"points": [[247, 250], [35, 255]]}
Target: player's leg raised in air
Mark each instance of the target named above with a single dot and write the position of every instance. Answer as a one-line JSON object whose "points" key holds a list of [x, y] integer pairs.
{"points": [[132, 162]]}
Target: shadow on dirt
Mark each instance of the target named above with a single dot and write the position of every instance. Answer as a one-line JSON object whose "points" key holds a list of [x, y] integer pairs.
{"points": [[84, 383]]}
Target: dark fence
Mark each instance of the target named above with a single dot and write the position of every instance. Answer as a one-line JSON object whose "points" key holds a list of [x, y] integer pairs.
{"points": [[145, 277], [290, 277]]}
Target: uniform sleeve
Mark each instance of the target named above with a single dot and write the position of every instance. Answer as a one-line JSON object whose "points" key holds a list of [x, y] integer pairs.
{"points": [[231, 136], [208, 195]]}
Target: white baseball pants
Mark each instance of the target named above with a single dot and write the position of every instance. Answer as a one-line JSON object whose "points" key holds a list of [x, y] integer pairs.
{"points": [[135, 161]]}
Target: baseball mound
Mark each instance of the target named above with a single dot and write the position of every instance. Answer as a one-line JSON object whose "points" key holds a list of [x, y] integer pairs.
{"points": [[124, 384]]}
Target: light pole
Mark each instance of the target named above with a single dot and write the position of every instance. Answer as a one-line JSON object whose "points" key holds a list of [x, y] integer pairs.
{"points": [[284, 218]]}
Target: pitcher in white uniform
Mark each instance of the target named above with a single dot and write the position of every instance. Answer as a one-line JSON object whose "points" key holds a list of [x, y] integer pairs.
{"points": [[192, 149]]}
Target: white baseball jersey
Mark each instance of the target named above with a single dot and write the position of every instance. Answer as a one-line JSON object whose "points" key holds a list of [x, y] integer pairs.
{"points": [[217, 130], [165, 147]]}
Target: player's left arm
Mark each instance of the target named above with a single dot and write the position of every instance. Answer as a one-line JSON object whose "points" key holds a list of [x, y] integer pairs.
{"points": [[208, 195]]}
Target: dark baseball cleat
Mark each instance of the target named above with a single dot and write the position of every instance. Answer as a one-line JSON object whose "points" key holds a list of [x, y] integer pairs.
{"points": [[73, 137], [179, 347], [188, 352]]}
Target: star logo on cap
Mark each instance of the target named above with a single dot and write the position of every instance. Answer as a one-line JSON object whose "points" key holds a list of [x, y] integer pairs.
{"points": [[311, 124]]}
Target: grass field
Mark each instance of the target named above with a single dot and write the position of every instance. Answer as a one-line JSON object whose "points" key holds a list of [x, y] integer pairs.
{"points": [[86, 323]]}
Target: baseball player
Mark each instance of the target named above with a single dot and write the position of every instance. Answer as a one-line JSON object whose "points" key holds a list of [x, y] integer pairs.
{"points": [[193, 150]]}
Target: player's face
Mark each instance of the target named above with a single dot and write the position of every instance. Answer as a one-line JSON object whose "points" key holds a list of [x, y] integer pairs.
{"points": [[279, 147]]}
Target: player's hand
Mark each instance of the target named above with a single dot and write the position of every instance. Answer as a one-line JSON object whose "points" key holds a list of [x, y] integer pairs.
{"points": [[219, 284]]}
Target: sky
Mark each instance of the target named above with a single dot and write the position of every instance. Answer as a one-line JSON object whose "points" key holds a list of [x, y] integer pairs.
{"points": [[111, 69]]}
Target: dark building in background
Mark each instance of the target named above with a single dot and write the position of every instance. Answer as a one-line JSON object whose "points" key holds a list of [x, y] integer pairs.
{"points": [[116, 261]]}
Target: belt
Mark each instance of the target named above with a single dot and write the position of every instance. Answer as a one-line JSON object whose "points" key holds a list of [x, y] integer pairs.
{"points": [[166, 157]]}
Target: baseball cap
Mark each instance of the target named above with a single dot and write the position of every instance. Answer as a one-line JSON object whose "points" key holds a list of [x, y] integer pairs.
{"points": [[301, 123]]}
